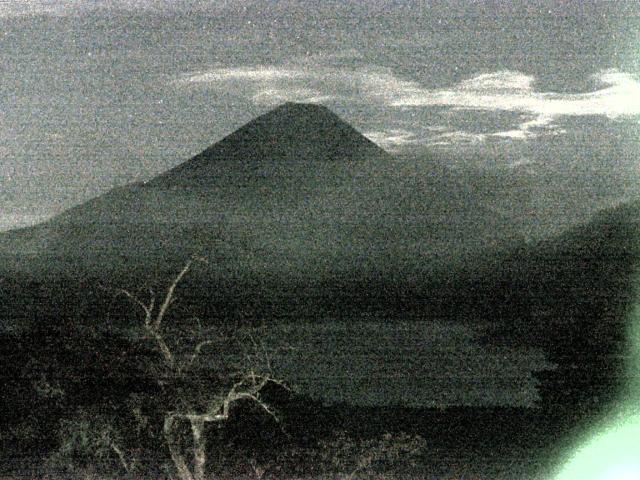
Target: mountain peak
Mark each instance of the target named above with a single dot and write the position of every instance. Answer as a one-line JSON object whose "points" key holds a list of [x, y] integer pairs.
{"points": [[294, 116], [302, 107], [291, 132], [300, 110]]}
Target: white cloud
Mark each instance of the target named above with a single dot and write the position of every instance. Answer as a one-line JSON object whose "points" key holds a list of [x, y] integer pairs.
{"points": [[366, 83], [458, 137], [505, 81], [17, 8], [379, 85], [265, 85], [527, 129], [513, 134], [512, 91], [276, 96], [253, 74], [393, 139], [10, 221], [503, 91]]}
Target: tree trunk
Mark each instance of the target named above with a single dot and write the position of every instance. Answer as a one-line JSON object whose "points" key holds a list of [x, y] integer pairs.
{"points": [[199, 448], [174, 449]]}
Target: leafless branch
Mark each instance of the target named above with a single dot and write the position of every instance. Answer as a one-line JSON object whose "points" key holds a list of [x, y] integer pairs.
{"points": [[121, 457], [248, 387], [194, 356], [148, 309], [169, 297], [153, 325]]}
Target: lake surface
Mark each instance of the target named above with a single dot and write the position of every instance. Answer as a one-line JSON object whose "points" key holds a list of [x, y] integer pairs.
{"points": [[408, 363]]}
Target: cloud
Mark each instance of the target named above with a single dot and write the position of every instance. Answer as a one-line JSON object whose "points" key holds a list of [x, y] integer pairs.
{"points": [[532, 128], [513, 91], [535, 113], [275, 96], [367, 83], [19, 8], [265, 85], [514, 134], [251, 74], [504, 81], [458, 137], [394, 139], [10, 221], [380, 85]]}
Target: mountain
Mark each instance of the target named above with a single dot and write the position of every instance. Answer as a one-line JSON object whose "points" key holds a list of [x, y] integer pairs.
{"points": [[294, 199], [298, 214], [293, 132], [572, 295], [270, 169]]}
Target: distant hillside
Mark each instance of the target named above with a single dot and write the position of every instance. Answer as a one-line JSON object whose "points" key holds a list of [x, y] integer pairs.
{"points": [[571, 296], [301, 218]]}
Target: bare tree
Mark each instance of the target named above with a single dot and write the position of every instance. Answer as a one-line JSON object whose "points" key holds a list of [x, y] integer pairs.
{"points": [[247, 385]]}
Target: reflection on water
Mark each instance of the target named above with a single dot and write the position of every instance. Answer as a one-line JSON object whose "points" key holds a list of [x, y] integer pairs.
{"points": [[409, 363]]}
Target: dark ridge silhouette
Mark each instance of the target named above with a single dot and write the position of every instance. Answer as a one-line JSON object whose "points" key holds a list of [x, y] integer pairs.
{"points": [[572, 296], [278, 168], [292, 132], [295, 199]]}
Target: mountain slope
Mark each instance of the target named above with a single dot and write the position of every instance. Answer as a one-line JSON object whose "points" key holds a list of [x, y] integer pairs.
{"points": [[292, 132], [270, 169], [302, 218]]}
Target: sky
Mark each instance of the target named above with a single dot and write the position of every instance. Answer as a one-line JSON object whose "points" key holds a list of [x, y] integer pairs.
{"points": [[99, 94]]}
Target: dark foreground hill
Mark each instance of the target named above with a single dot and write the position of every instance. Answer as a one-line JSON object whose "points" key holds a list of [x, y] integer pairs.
{"points": [[573, 296]]}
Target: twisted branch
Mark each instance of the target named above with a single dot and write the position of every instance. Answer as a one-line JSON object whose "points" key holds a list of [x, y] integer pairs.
{"points": [[247, 388], [153, 325]]}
